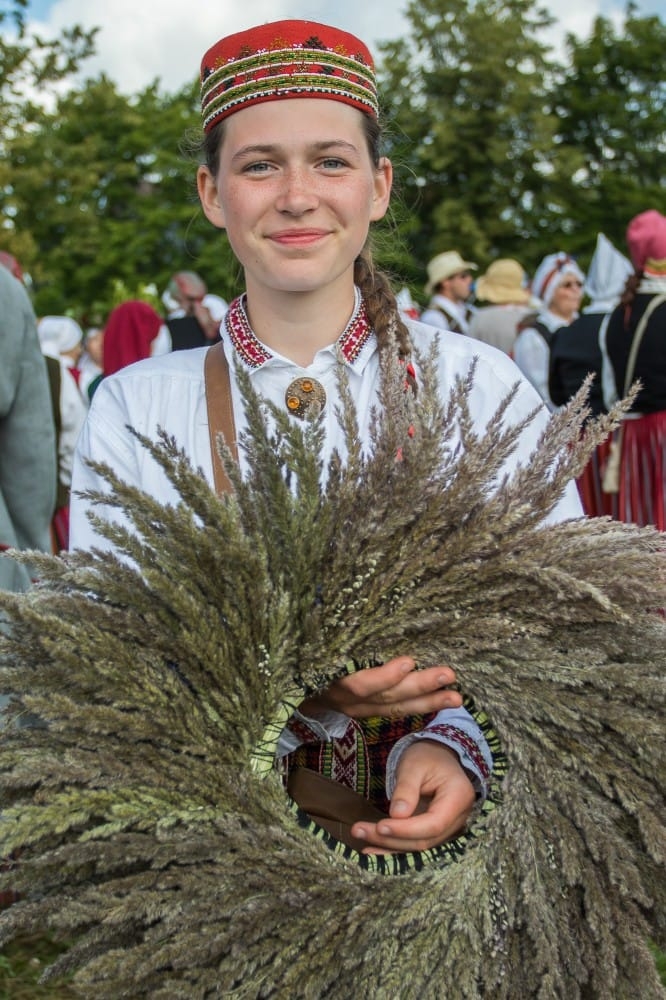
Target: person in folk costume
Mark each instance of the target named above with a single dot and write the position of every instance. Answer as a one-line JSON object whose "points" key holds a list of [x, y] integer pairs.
{"points": [[575, 354], [133, 331], [449, 287], [558, 286], [503, 290], [293, 173], [634, 348], [61, 342]]}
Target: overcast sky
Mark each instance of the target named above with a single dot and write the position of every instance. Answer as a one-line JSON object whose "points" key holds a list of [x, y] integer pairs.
{"points": [[144, 40]]}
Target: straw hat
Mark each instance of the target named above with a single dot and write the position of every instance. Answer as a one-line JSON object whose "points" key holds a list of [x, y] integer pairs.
{"points": [[503, 282], [444, 266]]}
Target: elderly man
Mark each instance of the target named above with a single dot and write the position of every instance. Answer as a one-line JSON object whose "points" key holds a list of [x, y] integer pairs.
{"points": [[193, 316]]}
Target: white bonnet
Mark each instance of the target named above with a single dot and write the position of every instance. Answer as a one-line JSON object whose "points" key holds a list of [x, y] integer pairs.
{"points": [[607, 276], [58, 334], [550, 273]]}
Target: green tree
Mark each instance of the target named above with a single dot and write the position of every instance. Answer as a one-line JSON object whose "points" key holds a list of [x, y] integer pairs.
{"points": [[465, 93], [611, 110], [102, 186], [29, 69]]}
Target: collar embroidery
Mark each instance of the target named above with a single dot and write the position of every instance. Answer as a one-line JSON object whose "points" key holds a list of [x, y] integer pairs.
{"points": [[252, 352]]}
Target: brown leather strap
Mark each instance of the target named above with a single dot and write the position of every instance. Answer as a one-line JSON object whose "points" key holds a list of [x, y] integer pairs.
{"points": [[332, 806], [220, 412], [329, 804]]}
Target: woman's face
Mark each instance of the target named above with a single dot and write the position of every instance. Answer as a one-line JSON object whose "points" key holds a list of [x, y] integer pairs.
{"points": [[567, 297], [296, 191]]}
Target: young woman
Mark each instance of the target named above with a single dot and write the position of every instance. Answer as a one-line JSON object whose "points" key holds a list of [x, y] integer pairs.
{"points": [[293, 173]]}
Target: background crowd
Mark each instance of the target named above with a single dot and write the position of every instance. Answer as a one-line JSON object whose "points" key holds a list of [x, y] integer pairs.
{"points": [[560, 326]]}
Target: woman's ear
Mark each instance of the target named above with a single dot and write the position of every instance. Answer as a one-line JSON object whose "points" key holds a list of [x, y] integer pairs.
{"points": [[209, 198], [382, 189]]}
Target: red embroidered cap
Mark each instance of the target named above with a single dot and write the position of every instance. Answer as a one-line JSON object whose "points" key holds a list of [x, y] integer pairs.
{"points": [[286, 59]]}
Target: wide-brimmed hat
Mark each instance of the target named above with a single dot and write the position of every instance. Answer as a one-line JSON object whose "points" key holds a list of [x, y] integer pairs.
{"points": [[286, 59], [503, 282], [444, 266]]}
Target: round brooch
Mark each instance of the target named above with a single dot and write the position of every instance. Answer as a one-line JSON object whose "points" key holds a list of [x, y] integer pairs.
{"points": [[305, 397]]}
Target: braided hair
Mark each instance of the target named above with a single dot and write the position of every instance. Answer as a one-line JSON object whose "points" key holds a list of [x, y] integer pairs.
{"points": [[629, 294], [382, 308]]}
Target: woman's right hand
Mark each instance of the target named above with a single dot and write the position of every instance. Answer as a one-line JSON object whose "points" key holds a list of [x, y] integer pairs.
{"points": [[395, 689]]}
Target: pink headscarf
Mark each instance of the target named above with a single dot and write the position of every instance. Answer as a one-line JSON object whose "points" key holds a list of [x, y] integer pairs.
{"points": [[130, 330], [646, 240]]}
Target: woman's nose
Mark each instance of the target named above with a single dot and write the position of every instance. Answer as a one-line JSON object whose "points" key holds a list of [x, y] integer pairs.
{"points": [[297, 192]]}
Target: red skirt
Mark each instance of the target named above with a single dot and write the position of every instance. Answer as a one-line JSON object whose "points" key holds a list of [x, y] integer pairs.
{"points": [[60, 530], [642, 495], [595, 502]]}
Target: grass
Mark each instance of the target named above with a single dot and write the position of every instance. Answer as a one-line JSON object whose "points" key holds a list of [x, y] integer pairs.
{"points": [[21, 966]]}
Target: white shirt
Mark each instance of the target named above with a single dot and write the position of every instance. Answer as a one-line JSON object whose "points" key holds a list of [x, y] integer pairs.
{"points": [[458, 311], [532, 354], [168, 393]]}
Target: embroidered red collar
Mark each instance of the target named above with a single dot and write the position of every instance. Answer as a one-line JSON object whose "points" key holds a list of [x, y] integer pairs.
{"points": [[252, 352]]}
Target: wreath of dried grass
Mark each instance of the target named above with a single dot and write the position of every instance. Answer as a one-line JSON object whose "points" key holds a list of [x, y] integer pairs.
{"points": [[152, 834]]}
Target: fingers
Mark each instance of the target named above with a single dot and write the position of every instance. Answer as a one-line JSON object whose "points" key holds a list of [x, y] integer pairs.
{"points": [[399, 677], [432, 801], [414, 833], [394, 689]]}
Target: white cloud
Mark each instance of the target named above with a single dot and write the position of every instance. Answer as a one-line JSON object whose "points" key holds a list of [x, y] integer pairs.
{"points": [[143, 40]]}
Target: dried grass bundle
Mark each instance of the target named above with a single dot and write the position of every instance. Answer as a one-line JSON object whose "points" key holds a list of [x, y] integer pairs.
{"points": [[150, 828]]}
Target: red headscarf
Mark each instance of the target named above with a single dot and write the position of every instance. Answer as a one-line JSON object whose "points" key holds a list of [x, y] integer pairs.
{"points": [[9, 261], [130, 330]]}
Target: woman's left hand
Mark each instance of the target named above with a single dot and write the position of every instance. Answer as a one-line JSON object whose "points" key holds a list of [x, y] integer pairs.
{"points": [[432, 801]]}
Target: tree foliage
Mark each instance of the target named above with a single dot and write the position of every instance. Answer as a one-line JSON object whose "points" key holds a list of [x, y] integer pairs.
{"points": [[467, 89], [503, 151], [611, 111], [104, 183], [499, 151]]}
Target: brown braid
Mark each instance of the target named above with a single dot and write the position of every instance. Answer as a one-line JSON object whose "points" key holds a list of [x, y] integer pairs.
{"points": [[629, 294], [382, 307]]}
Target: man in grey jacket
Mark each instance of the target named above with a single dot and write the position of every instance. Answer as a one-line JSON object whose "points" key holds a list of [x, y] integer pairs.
{"points": [[27, 435]]}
